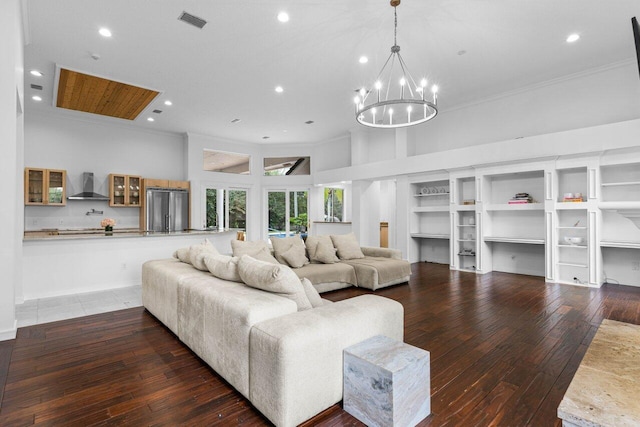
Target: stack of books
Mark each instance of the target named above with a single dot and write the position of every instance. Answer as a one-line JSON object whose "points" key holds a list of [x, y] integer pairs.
{"points": [[521, 198], [573, 199]]}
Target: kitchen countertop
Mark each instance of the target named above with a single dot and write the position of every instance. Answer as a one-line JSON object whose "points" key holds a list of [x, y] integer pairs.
{"points": [[99, 233]]}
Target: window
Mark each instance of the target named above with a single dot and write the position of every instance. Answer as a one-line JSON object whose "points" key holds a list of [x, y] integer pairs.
{"points": [[287, 213], [226, 208], [333, 204], [278, 166], [220, 161]]}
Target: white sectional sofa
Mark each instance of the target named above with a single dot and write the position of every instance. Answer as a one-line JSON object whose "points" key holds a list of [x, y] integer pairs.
{"points": [[288, 363]]}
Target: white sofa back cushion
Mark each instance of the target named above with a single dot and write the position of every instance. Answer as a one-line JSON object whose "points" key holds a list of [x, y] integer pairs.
{"points": [[275, 278], [223, 266], [289, 251], [347, 246], [257, 249]]}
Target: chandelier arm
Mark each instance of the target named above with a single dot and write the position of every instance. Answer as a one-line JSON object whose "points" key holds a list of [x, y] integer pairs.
{"points": [[406, 72], [393, 61], [385, 66]]}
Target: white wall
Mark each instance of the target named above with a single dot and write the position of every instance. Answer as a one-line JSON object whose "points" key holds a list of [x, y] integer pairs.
{"points": [[595, 97], [57, 141], [11, 122], [92, 264]]}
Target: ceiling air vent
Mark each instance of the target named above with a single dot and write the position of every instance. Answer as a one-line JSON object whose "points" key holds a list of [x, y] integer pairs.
{"points": [[193, 20], [36, 87]]}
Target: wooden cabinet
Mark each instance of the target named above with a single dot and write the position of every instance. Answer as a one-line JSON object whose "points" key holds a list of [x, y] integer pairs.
{"points": [[184, 185], [166, 183], [124, 190], [45, 187], [156, 183]]}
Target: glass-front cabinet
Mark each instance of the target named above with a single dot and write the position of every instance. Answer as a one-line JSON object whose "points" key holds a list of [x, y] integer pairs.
{"points": [[124, 190], [45, 187]]}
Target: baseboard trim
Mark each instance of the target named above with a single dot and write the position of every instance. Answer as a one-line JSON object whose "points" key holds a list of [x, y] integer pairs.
{"points": [[9, 334]]}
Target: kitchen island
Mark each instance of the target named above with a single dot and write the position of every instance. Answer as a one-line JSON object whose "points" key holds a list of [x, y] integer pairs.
{"points": [[64, 262]]}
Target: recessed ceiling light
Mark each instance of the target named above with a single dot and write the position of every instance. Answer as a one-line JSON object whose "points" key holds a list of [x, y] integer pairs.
{"points": [[105, 32], [150, 119], [573, 38], [283, 17], [167, 102], [36, 98], [36, 73], [279, 89], [363, 60]]}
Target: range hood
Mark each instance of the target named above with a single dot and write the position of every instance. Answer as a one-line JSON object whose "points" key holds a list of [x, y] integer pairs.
{"points": [[87, 190]]}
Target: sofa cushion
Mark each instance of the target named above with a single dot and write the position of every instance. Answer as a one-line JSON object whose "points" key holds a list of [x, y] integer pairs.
{"points": [[223, 266], [373, 272], [289, 251], [320, 249], [182, 254], [312, 294], [347, 246], [257, 249], [295, 257], [327, 273], [278, 279], [197, 251], [190, 254]]}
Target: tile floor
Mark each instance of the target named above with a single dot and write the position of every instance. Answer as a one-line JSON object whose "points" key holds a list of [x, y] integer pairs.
{"points": [[45, 310]]}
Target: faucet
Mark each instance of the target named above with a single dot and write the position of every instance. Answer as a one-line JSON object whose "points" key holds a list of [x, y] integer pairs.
{"points": [[93, 212]]}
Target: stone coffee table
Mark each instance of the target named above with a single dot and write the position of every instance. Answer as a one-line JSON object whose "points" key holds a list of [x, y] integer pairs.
{"points": [[605, 390], [386, 382]]}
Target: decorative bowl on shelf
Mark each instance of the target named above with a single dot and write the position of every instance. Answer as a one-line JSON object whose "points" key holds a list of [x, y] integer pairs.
{"points": [[573, 240]]}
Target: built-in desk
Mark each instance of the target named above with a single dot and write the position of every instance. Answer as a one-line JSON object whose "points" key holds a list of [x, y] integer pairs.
{"points": [[605, 390]]}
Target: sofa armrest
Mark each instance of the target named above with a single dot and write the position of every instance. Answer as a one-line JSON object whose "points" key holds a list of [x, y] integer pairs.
{"points": [[382, 252], [295, 362]]}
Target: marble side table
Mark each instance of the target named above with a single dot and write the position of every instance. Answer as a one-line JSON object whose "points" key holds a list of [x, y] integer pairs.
{"points": [[386, 382], [605, 391]]}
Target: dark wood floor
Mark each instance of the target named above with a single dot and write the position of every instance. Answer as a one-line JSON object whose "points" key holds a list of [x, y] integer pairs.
{"points": [[503, 349]]}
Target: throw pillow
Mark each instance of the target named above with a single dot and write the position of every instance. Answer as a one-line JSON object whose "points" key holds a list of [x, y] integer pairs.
{"points": [[258, 250], [294, 257], [286, 244], [347, 246], [276, 278], [182, 254], [326, 253], [314, 243], [223, 266], [312, 293], [196, 250]]}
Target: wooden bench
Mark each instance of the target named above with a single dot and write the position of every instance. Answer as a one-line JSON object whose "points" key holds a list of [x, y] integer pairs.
{"points": [[605, 390]]}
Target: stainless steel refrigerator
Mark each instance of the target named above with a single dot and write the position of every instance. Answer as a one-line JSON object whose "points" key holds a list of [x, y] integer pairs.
{"points": [[167, 209]]}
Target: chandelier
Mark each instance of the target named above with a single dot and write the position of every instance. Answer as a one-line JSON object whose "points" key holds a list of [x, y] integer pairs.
{"points": [[395, 100]]}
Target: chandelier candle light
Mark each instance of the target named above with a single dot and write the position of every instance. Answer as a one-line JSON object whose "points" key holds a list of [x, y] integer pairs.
{"points": [[378, 108]]}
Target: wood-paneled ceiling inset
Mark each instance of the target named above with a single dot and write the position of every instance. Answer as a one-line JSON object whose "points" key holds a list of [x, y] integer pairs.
{"points": [[91, 94]]}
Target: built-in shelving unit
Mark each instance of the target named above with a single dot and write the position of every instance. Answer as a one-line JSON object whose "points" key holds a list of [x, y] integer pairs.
{"points": [[429, 221], [592, 198]]}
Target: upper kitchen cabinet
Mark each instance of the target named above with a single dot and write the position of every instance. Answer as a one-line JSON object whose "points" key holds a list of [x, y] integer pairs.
{"points": [[166, 183], [124, 190], [45, 187]]}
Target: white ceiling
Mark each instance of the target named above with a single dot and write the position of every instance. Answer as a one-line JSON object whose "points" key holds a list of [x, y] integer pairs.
{"points": [[230, 68]]}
